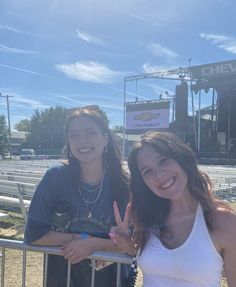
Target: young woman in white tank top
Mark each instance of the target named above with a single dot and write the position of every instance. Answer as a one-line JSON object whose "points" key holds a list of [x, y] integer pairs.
{"points": [[184, 236]]}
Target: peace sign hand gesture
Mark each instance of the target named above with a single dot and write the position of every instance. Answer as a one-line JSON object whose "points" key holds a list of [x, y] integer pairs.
{"points": [[122, 226], [120, 234]]}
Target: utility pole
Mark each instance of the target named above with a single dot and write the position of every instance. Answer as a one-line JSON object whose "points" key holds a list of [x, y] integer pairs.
{"points": [[9, 123]]}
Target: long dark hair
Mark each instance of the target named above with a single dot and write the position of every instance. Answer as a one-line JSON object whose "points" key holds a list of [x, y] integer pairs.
{"points": [[111, 157], [148, 209]]}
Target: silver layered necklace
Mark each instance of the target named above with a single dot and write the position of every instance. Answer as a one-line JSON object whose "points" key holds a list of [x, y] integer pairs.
{"points": [[96, 189]]}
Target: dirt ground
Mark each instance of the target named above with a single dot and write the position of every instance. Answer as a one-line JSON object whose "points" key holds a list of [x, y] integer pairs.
{"points": [[13, 269]]}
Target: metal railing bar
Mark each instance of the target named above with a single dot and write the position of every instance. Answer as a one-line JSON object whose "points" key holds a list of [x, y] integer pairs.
{"points": [[118, 273], [45, 273], [97, 255], [93, 273], [111, 256], [68, 274], [3, 266], [24, 268]]}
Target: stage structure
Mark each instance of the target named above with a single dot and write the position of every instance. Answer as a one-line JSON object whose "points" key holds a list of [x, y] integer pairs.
{"points": [[221, 78], [208, 129]]}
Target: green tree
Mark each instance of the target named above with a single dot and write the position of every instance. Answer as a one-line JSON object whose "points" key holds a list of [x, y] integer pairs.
{"points": [[47, 129], [105, 116], [3, 134], [118, 129], [23, 125]]}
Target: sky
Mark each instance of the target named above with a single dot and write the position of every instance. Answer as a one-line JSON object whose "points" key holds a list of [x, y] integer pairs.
{"points": [[74, 53]]}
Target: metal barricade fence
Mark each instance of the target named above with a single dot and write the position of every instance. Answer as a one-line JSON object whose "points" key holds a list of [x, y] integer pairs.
{"points": [[118, 258]]}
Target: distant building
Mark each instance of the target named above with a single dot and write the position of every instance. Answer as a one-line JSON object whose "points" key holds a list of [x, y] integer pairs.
{"points": [[17, 138], [208, 113]]}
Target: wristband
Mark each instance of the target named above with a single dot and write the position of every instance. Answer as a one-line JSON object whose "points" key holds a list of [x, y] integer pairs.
{"points": [[84, 236]]}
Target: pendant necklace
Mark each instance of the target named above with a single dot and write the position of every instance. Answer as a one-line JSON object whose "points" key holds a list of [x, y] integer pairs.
{"points": [[169, 239], [83, 190]]}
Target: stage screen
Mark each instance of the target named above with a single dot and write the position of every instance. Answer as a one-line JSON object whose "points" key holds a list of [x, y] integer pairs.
{"points": [[141, 117]]}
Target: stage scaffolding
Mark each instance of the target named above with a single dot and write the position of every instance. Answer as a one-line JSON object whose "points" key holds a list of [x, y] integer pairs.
{"points": [[215, 77]]}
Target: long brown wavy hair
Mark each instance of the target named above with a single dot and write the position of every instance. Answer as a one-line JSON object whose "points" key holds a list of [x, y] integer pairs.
{"points": [[150, 210], [111, 157]]}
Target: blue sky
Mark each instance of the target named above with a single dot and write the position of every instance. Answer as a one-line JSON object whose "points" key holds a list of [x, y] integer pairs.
{"points": [[74, 53]]}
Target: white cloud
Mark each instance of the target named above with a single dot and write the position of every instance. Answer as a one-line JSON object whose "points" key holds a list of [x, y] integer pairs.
{"points": [[161, 51], [22, 32], [13, 29], [19, 101], [88, 38], [171, 72], [132, 94], [22, 70], [89, 72], [113, 107], [70, 99], [155, 13], [147, 68], [83, 103], [221, 41], [143, 18], [161, 89], [26, 102], [83, 97], [12, 50], [152, 19], [115, 54]]}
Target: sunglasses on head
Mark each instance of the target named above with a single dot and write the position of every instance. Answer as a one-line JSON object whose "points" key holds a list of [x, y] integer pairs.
{"points": [[89, 108]]}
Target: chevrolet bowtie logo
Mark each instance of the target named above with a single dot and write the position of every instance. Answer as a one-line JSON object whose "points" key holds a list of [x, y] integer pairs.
{"points": [[147, 116]]}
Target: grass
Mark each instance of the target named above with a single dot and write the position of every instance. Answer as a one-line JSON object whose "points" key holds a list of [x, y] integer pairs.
{"points": [[13, 226], [233, 205]]}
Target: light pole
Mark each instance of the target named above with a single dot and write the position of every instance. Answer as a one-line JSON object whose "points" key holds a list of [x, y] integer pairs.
{"points": [[8, 119], [124, 120]]}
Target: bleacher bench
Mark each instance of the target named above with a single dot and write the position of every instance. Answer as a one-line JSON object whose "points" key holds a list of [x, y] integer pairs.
{"points": [[17, 194]]}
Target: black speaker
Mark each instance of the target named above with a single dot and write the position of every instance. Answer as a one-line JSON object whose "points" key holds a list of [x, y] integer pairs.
{"points": [[181, 105], [227, 112], [233, 116], [223, 111]]}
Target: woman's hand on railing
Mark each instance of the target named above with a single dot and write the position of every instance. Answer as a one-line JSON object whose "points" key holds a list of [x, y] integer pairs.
{"points": [[78, 249]]}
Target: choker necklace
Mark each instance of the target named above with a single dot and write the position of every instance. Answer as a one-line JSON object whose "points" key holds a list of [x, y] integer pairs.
{"points": [[87, 187], [94, 201]]}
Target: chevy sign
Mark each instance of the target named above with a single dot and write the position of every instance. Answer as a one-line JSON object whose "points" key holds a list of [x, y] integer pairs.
{"points": [[214, 70], [145, 116]]}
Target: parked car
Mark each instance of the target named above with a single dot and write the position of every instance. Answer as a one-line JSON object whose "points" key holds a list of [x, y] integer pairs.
{"points": [[27, 153], [7, 155]]}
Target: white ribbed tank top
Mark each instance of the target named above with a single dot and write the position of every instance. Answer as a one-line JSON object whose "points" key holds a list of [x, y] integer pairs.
{"points": [[196, 263]]}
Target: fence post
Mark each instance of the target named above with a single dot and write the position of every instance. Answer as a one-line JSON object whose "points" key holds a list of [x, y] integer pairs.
{"points": [[118, 273], [21, 201], [24, 268], [3, 266], [93, 274], [68, 274]]}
